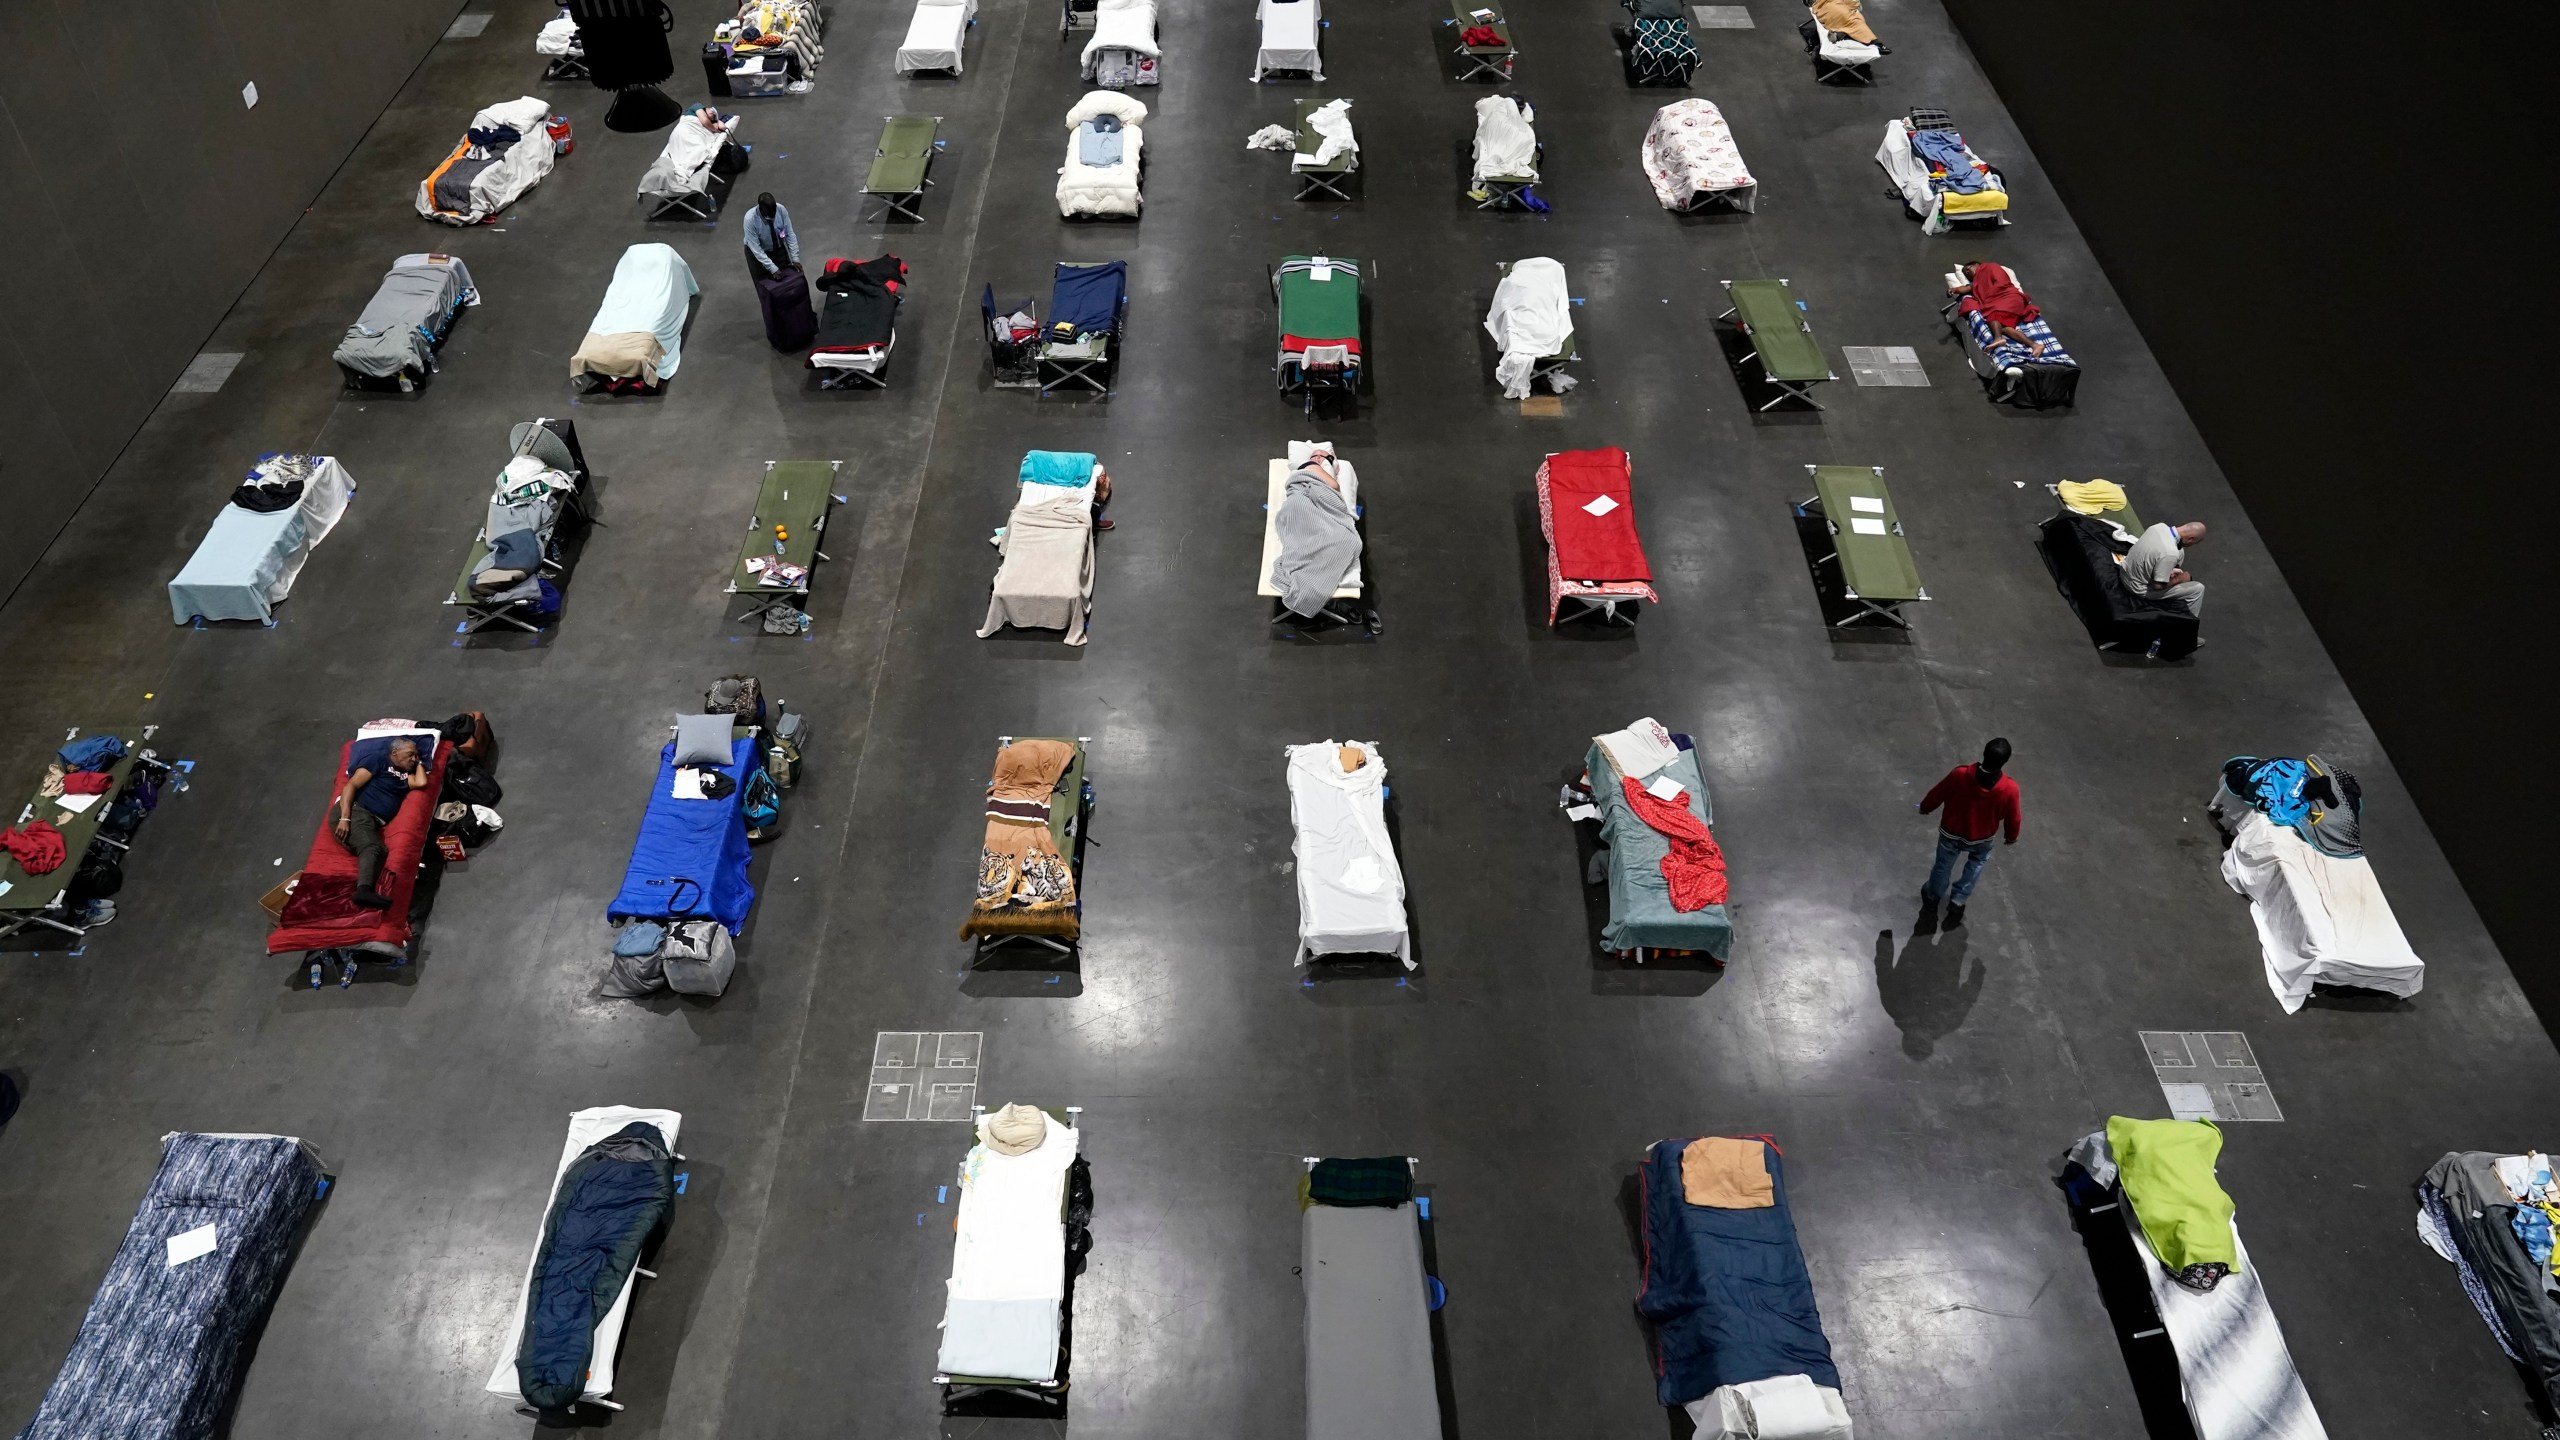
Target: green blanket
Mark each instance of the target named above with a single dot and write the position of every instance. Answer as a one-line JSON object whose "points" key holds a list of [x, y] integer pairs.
{"points": [[1321, 311], [2166, 1168]]}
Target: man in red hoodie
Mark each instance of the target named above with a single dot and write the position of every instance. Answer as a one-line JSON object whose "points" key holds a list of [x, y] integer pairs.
{"points": [[1981, 805]]}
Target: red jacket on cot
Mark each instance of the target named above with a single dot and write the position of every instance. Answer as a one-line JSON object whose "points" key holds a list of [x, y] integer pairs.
{"points": [[1974, 813]]}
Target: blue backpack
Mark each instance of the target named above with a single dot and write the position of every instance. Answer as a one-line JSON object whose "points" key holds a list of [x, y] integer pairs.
{"points": [[762, 803]]}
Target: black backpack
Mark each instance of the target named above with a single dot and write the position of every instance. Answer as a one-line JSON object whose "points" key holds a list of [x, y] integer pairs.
{"points": [[470, 782], [100, 876]]}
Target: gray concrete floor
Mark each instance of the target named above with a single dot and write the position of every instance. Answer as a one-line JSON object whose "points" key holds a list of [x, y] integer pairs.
{"points": [[1921, 1084]]}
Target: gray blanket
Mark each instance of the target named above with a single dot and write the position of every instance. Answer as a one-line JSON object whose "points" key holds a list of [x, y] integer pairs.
{"points": [[386, 339], [453, 187], [1045, 581], [1319, 543]]}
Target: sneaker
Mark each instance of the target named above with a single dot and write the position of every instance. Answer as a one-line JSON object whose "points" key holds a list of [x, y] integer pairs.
{"points": [[1955, 917], [373, 900], [1102, 525], [100, 912]]}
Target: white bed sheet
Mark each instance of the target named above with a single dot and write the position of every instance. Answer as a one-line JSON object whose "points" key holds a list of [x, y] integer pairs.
{"points": [[1350, 888], [937, 36], [1531, 318], [1122, 25], [650, 291], [586, 1127], [247, 561], [2233, 1368], [684, 166], [1292, 37], [1110, 189], [517, 171], [1009, 1259], [872, 361], [1911, 178], [1506, 141], [1272, 495], [2321, 920]]}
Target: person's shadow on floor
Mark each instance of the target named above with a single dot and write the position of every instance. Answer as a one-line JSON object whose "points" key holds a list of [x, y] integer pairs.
{"points": [[1928, 991]]}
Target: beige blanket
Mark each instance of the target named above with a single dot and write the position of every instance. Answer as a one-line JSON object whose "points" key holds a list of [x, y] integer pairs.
{"points": [[632, 352], [1045, 581]]}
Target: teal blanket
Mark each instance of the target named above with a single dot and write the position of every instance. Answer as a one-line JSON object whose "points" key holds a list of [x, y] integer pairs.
{"points": [[1640, 910], [1070, 468]]}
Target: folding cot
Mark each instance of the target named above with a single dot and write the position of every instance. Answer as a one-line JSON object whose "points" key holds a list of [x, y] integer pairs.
{"points": [[611, 1198], [107, 817], [2012, 372], [164, 1345], [249, 558], [1660, 49], [2294, 845], [1319, 321], [1044, 576], [1315, 529], [1106, 157], [1941, 182], [780, 555], [520, 556], [1531, 323], [1350, 888], [1770, 315], [1737, 1336], [1484, 41], [1690, 159], [1867, 544], [320, 916], [689, 861], [1663, 897], [1586, 510], [1505, 154], [564, 52], [1327, 153], [682, 179], [858, 322], [396, 337], [1018, 1241], [937, 37], [901, 169], [1123, 51], [1292, 38], [2156, 1179], [2083, 545], [1843, 47], [1031, 862], [1080, 348], [2470, 1204], [1370, 1374], [506, 151], [636, 340]]}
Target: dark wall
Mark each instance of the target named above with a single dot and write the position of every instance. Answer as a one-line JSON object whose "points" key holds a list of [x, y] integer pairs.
{"points": [[2319, 220], [141, 196]]}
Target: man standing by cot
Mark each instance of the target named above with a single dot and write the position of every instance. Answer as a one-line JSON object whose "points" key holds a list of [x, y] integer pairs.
{"points": [[1980, 804]]}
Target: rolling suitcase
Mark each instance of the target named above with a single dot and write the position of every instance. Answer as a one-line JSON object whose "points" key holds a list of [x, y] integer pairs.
{"points": [[789, 324]]}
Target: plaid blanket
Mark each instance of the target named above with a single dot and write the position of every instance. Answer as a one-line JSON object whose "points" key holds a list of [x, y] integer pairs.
{"points": [[1377, 1180], [2005, 352]]}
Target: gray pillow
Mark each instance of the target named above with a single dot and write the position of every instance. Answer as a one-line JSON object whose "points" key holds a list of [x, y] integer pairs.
{"points": [[704, 740]]}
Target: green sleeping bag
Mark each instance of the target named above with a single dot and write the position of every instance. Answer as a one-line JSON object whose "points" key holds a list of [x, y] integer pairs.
{"points": [[2166, 1168]]}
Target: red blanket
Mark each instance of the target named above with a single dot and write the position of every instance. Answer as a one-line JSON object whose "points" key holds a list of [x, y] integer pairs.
{"points": [[1588, 546], [1297, 344], [323, 913], [1695, 866], [1999, 298]]}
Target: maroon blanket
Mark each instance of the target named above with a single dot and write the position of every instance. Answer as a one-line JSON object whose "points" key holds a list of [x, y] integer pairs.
{"points": [[323, 913], [1588, 546]]}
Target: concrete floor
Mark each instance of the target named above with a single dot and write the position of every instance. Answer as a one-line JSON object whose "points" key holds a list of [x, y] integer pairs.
{"points": [[1921, 1084]]}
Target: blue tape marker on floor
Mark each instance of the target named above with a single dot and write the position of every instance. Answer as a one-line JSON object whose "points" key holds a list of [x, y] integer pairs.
{"points": [[76, 954], [681, 1177], [840, 500], [1423, 1204], [919, 1217], [1399, 983], [1052, 980], [187, 765], [940, 1192]]}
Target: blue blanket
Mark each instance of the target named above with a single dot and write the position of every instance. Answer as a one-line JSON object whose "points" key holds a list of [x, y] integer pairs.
{"points": [[2005, 352], [1098, 142], [1085, 299], [1726, 1290], [1945, 149], [691, 857]]}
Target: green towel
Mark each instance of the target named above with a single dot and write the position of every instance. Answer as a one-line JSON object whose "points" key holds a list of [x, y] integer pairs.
{"points": [[2166, 1168]]}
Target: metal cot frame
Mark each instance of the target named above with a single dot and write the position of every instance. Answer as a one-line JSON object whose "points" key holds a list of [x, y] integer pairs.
{"points": [[1494, 61], [1889, 611], [1796, 389], [770, 596], [902, 199]]}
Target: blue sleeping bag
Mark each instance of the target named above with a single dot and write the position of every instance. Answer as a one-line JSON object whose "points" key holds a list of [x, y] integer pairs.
{"points": [[1726, 1290], [610, 1200], [691, 857]]}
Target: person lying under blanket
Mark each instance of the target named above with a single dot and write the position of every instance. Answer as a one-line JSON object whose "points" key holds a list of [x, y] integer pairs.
{"points": [[1990, 292], [1846, 18]]}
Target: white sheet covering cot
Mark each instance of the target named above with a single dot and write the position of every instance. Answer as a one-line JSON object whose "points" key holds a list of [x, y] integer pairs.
{"points": [[1690, 158], [1506, 141], [1350, 888], [586, 1127], [1531, 318], [1276, 490], [1124, 25], [1104, 189], [519, 170], [937, 36], [684, 166], [1009, 1260], [2321, 920], [1292, 37]]}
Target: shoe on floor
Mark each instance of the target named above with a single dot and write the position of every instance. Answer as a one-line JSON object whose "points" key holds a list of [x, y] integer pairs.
{"points": [[1955, 917], [373, 900], [1102, 525], [100, 912]]}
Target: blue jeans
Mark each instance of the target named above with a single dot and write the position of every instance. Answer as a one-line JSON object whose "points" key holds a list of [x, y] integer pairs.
{"points": [[1976, 853]]}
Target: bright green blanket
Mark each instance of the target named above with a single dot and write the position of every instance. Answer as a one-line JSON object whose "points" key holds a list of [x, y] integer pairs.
{"points": [[2166, 1168]]}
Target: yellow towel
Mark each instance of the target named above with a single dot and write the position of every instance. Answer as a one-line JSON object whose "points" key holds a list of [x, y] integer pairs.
{"points": [[1985, 201], [2089, 497]]}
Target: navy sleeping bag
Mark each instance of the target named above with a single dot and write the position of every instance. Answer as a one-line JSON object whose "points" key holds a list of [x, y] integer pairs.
{"points": [[1726, 1290], [610, 1200]]}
